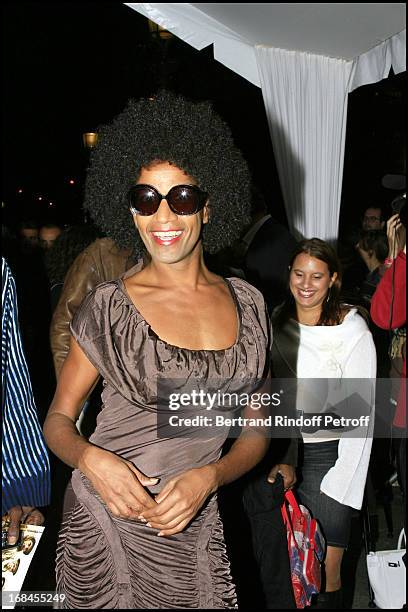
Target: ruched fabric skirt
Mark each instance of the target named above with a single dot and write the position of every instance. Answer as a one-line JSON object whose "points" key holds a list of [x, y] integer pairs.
{"points": [[110, 563]]}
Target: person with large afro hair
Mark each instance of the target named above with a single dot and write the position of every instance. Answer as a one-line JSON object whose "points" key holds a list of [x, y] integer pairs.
{"points": [[140, 475], [189, 135]]}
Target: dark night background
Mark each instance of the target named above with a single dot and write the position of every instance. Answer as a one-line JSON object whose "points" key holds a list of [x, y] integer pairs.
{"points": [[68, 67]]}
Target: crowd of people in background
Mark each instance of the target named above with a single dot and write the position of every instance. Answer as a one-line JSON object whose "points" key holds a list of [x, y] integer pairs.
{"points": [[56, 266]]}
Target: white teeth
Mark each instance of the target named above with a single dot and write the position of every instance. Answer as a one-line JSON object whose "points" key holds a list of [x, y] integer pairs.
{"points": [[167, 235]]}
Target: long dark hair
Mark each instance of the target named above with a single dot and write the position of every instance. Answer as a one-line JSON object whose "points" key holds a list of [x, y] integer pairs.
{"points": [[331, 308]]}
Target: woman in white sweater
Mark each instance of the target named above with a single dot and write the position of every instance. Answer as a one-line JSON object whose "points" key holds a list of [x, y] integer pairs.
{"points": [[317, 337]]}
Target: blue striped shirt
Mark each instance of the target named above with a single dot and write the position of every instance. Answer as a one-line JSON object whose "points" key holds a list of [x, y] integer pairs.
{"points": [[25, 463]]}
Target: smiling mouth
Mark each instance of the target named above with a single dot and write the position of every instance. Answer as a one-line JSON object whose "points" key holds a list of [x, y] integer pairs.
{"points": [[166, 238], [306, 294]]}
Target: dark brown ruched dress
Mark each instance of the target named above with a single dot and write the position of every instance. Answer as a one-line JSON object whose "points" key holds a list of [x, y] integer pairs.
{"points": [[108, 562]]}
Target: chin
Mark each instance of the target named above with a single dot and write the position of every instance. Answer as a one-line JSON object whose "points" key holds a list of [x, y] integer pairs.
{"points": [[310, 304], [167, 257]]}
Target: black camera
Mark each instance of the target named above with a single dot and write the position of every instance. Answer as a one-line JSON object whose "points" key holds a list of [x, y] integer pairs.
{"points": [[399, 205]]}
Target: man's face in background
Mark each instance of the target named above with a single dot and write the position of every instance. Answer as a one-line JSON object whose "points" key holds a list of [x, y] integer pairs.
{"points": [[48, 235], [372, 219], [29, 234]]}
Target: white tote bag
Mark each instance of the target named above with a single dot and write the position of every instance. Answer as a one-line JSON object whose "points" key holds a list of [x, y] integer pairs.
{"points": [[387, 575]]}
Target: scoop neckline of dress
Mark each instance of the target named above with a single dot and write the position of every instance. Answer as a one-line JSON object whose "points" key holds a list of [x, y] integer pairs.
{"points": [[122, 287]]}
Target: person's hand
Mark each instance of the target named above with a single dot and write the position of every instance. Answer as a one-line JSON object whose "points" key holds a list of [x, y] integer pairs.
{"points": [[287, 472], [118, 482], [180, 500], [21, 514], [396, 236]]}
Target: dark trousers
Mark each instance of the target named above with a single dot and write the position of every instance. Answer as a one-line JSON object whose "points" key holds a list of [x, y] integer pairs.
{"points": [[262, 503]]}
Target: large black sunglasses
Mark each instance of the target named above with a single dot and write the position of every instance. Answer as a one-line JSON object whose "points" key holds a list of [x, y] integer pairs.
{"points": [[182, 199]]}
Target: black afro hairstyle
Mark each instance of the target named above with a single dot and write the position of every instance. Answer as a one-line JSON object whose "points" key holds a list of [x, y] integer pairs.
{"points": [[189, 135]]}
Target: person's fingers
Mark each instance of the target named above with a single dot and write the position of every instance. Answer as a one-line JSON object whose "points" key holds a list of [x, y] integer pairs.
{"points": [[288, 474], [15, 515], [128, 506], [170, 519], [35, 517], [128, 500], [162, 503], [139, 499], [168, 488], [118, 481], [272, 474], [171, 501], [286, 483], [143, 479], [290, 479], [25, 512], [127, 494], [114, 509], [392, 221], [122, 509], [178, 529], [27, 509], [181, 496]]}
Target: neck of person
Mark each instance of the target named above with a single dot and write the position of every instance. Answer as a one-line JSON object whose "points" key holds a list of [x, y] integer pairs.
{"points": [[188, 272], [308, 316]]}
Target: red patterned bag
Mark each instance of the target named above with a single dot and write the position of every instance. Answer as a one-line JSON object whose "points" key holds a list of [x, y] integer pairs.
{"points": [[306, 549]]}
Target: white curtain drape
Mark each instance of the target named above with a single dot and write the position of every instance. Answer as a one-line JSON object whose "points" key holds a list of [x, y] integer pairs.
{"points": [[375, 64], [305, 97]]}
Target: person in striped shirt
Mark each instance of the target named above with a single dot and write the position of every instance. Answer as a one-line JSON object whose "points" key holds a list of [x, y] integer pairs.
{"points": [[25, 462]]}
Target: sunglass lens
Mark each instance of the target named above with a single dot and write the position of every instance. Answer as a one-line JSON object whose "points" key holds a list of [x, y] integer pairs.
{"points": [[184, 200], [145, 200]]}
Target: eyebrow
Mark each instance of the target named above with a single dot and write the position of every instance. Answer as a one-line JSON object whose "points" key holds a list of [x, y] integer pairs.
{"points": [[299, 270]]}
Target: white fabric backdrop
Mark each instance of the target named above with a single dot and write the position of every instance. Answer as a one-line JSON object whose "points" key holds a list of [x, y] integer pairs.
{"points": [[305, 96], [375, 65], [200, 30]]}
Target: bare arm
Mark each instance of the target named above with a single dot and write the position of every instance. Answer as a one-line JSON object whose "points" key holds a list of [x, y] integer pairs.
{"points": [[118, 482], [246, 452], [251, 446], [78, 376]]}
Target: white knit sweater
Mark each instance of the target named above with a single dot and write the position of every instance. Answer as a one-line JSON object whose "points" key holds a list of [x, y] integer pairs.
{"points": [[342, 351]]}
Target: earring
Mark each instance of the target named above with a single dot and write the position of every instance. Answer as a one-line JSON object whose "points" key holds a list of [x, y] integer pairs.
{"points": [[328, 295], [133, 210]]}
